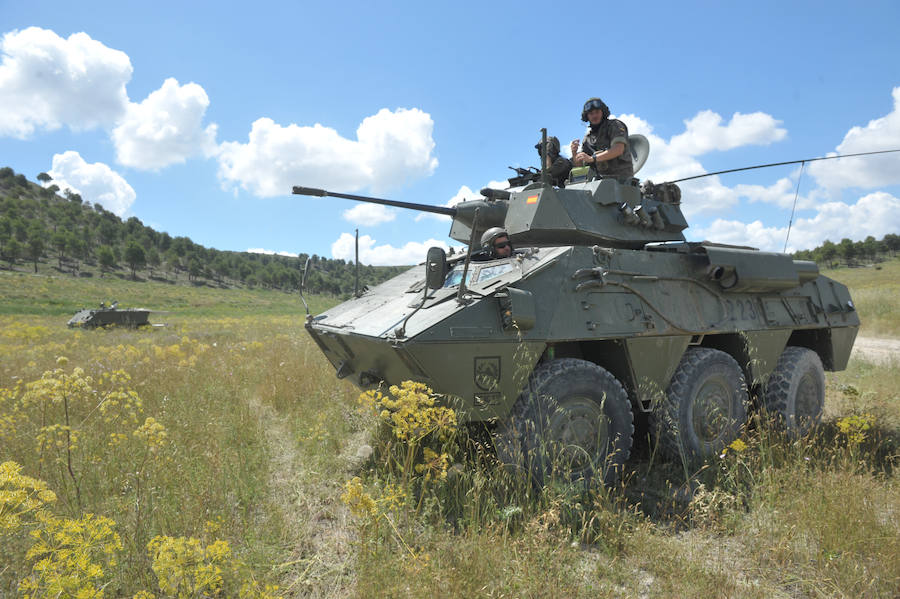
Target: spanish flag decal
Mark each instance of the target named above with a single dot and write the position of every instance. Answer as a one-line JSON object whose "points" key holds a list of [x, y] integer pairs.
{"points": [[531, 200]]}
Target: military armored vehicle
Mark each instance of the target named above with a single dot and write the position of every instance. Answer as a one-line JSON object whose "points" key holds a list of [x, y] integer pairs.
{"points": [[104, 316], [604, 311]]}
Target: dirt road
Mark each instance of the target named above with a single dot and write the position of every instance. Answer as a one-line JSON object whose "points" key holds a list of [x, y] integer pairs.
{"points": [[874, 349]]}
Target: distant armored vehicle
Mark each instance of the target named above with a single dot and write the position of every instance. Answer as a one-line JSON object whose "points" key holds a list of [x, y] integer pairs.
{"points": [[110, 315], [603, 311]]}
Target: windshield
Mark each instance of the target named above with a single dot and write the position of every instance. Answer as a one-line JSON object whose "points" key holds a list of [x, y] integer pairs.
{"points": [[478, 273]]}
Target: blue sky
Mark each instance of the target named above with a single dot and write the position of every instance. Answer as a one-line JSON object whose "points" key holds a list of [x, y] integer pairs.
{"points": [[198, 117]]}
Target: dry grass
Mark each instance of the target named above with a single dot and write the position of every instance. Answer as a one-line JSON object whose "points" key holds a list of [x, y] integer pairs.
{"points": [[262, 439]]}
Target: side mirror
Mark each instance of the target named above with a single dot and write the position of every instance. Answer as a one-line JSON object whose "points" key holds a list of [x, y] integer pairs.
{"points": [[435, 268]]}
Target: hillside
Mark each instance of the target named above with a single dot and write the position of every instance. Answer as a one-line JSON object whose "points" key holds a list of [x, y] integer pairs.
{"points": [[47, 233]]}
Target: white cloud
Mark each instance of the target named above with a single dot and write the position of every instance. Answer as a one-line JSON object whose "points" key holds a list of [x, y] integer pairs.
{"points": [[865, 172], [97, 183], [391, 149], [47, 82], [369, 214], [875, 214], [705, 133], [382, 255], [676, 158], [271, 252], [166, 128]]}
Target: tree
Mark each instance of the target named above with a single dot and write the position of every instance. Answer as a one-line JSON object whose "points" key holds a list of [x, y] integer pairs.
{"points": [[59, 240], [195, 269], [107, 258], [109, 232], [76, 250], [36, 245], [153, 260], [829, 251], [847, 249], [892, 242], [44, 178], [134, 256], [11, 251]]}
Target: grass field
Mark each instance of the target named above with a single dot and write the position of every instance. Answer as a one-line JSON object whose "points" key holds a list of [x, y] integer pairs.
{"points": [[219, 456]]}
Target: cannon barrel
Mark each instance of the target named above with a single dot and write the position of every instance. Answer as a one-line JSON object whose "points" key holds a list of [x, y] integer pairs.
{"points": [[312, 191]]}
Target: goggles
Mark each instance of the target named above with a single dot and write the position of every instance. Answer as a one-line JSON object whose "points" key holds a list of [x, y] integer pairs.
{"points": [[593, 105], [501, 245]]}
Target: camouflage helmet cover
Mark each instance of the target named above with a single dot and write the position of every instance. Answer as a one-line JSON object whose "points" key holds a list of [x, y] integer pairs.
{"points": [[594, 103], [552, 146], [488, 237]]}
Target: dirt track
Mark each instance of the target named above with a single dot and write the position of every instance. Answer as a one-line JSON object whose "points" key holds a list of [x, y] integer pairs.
{"points": [[873, 349]]}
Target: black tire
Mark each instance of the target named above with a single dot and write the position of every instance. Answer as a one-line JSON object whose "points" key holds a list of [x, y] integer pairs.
{"points": [[573, 422], [704, 407], [795, 392]]}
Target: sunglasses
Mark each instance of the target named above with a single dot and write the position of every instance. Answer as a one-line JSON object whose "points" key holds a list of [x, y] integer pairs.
{"points": [[501, 245]]}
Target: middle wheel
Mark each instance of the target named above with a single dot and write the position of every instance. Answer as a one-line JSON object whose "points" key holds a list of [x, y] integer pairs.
{"points": [[704, 407], [573, 421]]}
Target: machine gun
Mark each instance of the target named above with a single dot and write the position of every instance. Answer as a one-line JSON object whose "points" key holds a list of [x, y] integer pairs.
{"points": [[524, 176]]}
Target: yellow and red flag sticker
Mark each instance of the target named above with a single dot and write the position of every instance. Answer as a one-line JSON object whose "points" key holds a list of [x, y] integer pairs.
{"points": [[531, 200]]}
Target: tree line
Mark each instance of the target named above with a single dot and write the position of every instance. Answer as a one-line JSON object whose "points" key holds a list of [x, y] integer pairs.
{"points": [[852, 253], [40, 226]]}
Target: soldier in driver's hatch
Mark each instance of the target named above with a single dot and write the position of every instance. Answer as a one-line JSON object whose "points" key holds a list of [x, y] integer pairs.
{"points": [[495, 244], [558, 166], [605, 145]]}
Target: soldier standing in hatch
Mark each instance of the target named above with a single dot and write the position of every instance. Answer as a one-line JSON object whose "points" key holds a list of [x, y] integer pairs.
{"points": [[605, 145], [558, 166]]}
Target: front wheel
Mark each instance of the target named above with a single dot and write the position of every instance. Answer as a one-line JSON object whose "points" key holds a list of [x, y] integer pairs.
{"points": [[573, 422], [704, 407]]}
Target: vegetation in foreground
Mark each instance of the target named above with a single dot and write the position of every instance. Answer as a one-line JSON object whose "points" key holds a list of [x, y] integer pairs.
{"points": [[219, 456]]}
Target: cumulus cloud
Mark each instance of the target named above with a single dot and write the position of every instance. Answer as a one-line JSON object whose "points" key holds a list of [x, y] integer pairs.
{"points": [[676, 158], [96, 183], [412, 252], [166, 128], [869, 171], [705, 132], [390, 149], [369, 214], [875, 214], [47, 82]]}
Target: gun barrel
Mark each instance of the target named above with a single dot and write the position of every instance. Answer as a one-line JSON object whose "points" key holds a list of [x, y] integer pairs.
{"points": [[312, 191]]}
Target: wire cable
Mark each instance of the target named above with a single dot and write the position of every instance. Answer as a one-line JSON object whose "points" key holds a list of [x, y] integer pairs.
{"points": [[748, 168], [794, 207]]}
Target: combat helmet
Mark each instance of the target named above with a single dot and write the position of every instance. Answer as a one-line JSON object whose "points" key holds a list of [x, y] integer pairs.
{"points": [[594, 103], [552, 146], [488, 237]]}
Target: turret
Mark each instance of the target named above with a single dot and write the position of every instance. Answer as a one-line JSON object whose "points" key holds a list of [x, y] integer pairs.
{"points": [[601, 211]]}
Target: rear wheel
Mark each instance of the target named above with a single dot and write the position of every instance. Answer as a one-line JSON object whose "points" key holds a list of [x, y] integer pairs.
{"points": [[795, 391], [573, 422], [704, 407]]}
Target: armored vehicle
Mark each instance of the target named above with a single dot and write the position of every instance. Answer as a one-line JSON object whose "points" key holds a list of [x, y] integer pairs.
{"points": [[602, 312], [105, 316]]}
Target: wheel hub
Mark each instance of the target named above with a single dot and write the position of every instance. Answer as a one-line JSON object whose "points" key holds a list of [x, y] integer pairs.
{"points": [[807, 399], [711, 410], [581, 429]]}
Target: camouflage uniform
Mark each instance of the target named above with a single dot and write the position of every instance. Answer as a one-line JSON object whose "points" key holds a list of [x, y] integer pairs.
{"points": [[602, 137], [559, 165]]}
